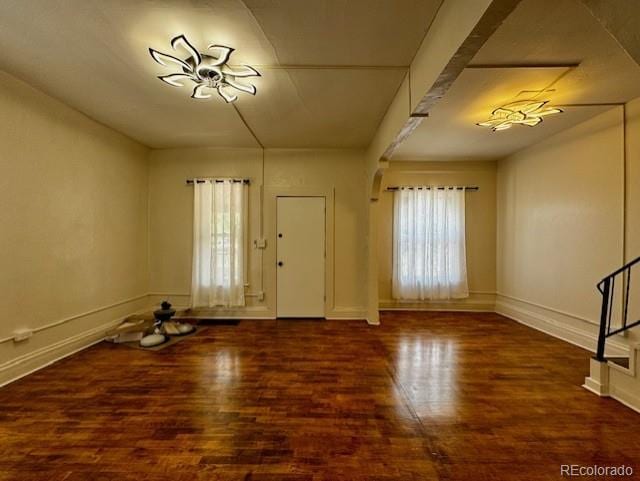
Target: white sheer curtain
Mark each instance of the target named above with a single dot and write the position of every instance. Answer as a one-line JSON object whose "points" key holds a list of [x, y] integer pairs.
{"points": [[429, 257], [218, 243]]}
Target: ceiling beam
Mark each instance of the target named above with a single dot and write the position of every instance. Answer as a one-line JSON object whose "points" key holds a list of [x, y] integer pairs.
{"points": [[621, 18], [491, 19], [459, 30]]}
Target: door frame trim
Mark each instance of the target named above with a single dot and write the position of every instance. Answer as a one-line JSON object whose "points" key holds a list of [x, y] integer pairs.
{"points": [[271, 194]]}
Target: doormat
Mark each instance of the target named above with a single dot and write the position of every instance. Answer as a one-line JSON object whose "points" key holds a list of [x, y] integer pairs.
{"points": [[170, 342], [211, 322]]}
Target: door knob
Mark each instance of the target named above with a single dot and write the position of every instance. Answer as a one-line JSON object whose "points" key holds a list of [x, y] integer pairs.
{"points": [[280, 263]]}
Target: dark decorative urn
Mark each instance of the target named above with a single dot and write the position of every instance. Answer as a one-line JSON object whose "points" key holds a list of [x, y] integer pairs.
{"points": [[165, 312]]}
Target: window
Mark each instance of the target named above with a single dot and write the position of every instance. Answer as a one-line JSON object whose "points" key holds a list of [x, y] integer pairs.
{"points": [[429, 258], [218, 243]]}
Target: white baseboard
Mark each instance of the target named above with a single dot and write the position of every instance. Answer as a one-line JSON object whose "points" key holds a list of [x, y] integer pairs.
{"points": [[564, 326], [346, 314], [36, 360], [476, 302], [40, 357], [182, 301]]}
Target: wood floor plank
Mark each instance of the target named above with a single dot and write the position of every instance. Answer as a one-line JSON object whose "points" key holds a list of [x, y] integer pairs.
{"points": [[425, 396]]}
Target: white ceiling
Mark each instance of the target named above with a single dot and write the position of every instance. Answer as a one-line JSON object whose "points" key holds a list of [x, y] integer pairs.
{"points": [[93, 55], [537, 32]]}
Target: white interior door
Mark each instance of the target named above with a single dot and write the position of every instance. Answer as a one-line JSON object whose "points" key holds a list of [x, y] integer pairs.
{"points": [[300, 256]]}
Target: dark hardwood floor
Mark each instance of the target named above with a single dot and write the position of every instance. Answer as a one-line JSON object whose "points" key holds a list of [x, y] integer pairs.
{"points": [[425, 396]]}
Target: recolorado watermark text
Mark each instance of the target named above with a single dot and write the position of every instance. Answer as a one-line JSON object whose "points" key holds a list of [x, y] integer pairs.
{"points": [[578, 470]]}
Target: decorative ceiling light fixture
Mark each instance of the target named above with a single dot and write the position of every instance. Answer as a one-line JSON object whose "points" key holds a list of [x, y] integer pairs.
{"points": [[523, 112], [208, 71]]}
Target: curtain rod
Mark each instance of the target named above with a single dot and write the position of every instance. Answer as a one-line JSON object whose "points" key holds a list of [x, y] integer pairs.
{"points": [[473, 188], [202, 180]]}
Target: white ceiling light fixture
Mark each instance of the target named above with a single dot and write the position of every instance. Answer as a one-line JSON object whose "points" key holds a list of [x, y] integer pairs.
{"points": [[208, 71], [523, 112]]}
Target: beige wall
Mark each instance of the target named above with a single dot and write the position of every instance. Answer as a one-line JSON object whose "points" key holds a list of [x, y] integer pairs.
{"points": [[560, 227], [480, 227], [633, 181], [632, 211], [171, 212], [73, 235], [563, 224], [336, 174]]}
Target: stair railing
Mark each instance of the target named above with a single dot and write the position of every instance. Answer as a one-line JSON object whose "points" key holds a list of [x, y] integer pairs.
{"points": [[607, 288]]}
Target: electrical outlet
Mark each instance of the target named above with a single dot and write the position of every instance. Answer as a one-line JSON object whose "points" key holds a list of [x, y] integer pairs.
{"points": [[22, 334]]}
